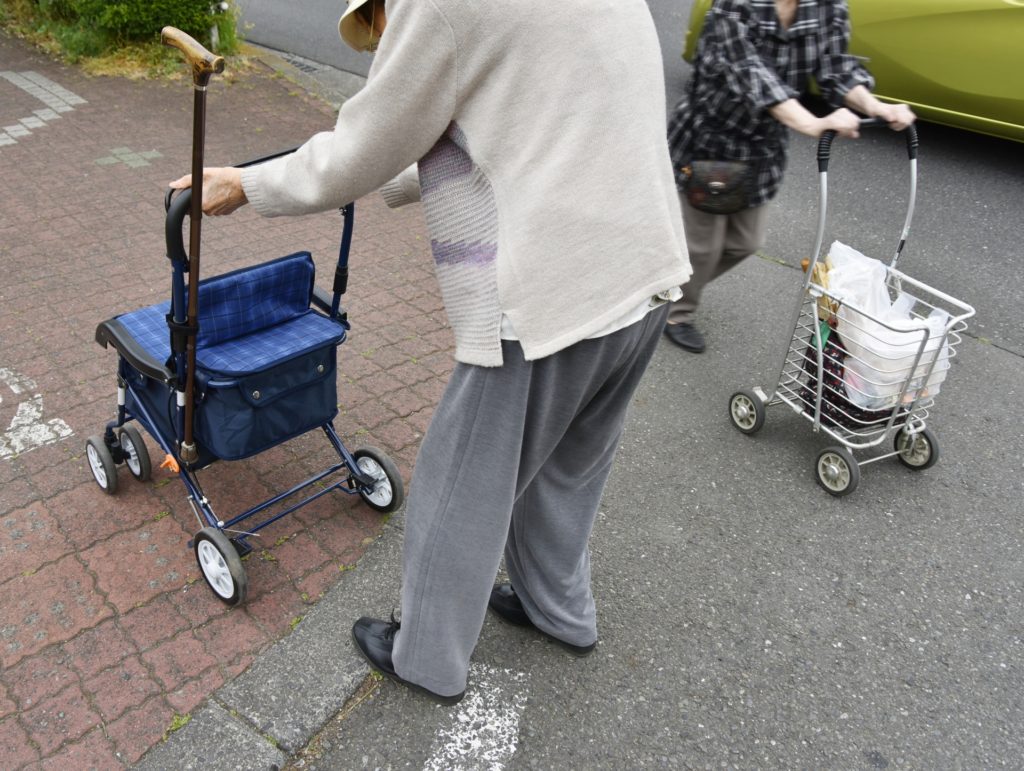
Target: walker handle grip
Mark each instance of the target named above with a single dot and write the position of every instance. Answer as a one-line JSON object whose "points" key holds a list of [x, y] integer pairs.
{"points": [[203, 63], [825, 143]]}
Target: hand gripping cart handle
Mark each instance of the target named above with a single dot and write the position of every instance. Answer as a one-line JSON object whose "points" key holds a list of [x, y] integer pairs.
{"points": [[231, 366], [878, 390]]}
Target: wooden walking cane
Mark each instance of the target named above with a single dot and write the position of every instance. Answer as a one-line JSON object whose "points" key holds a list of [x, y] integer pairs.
{"points": [[204, 65]]}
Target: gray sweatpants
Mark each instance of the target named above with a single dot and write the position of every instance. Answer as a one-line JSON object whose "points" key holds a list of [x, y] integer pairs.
{"points": [[515, 460]]}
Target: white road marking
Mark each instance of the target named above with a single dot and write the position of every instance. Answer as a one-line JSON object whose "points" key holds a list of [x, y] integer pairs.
{"points": [[28, 430], [483, 731], [56, 98], [129, 157]]}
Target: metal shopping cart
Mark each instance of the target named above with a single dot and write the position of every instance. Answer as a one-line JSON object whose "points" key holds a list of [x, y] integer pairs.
{"points": [[228, 368], [864, 377]]}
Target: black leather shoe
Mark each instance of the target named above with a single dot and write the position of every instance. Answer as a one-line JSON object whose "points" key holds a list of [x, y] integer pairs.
{"points": [[686, 336], [375, 639], [506, 604]]}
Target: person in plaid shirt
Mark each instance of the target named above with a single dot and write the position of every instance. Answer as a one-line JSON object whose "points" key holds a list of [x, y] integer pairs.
{"points": [[754, 60]]}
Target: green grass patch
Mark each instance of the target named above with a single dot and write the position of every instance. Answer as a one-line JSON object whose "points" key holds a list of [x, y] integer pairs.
{"points": [[122, 37]]}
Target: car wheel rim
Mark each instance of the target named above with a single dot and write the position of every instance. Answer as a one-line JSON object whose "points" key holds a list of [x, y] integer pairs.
{"points": [[215, 569], [381, 493], [96, 464]]}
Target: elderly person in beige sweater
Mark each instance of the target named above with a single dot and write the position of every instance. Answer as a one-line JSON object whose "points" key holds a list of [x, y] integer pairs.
{"points": [[535, 133]]}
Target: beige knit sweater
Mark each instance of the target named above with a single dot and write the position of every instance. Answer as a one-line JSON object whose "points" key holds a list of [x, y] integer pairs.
{"points": [[539, 132]]}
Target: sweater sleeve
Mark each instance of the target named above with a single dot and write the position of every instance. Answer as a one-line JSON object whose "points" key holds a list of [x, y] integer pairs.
{"points": [[407, 103], [403, 189]]}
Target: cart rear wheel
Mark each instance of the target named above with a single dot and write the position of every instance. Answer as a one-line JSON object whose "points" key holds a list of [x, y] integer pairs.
{"points": [[101, 462], [136, 456], [387, 492], [220, 565], [917, 451], [746, 411], [837, 471]]}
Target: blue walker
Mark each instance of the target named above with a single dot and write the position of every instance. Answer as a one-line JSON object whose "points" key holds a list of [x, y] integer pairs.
{"points": [[231, 366]]}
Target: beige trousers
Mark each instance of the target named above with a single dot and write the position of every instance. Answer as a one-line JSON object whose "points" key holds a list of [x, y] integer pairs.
{"points": [[717, 243]]}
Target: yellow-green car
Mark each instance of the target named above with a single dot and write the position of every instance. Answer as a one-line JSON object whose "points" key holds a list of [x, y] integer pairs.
{"points": [[955, 62]]}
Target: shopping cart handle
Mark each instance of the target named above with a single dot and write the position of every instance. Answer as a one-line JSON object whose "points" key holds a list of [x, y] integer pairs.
{"points": [[825, 143]]}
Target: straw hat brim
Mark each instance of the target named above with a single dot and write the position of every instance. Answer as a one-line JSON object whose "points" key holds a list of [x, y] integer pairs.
{"points": [[352, 28]]}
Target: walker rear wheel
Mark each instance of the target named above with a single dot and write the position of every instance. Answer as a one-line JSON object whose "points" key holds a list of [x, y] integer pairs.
{"points": [[136, 456], [101, 463], [387, 492], [747, 411], [220, 565], [837, 471], [918, 451]]}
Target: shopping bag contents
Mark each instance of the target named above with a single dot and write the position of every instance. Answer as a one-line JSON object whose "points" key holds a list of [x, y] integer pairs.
{"points": [[896, 346]]}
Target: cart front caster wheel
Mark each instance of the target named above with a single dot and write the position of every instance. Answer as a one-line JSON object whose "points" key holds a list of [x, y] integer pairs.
{"points": [[136, 456], [837, 471], [746, 411], [101, 462], [387, 492], [220, 565], [917, 451]]}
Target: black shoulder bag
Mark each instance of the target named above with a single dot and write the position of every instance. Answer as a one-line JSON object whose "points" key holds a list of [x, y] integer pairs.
{"points": [[719, 187]]}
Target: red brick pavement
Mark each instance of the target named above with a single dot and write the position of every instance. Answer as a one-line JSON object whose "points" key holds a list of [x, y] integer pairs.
{"points": [[107, 630]]}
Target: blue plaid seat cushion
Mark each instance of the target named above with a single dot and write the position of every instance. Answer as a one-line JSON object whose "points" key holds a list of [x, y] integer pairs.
{"points": [[249, 319]]}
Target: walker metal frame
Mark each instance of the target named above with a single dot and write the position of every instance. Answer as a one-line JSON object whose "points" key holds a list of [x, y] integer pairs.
{"points": [[232, 366]]}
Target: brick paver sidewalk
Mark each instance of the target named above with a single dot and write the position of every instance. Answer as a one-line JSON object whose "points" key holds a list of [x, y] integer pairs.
{"points": [[108, 634]]}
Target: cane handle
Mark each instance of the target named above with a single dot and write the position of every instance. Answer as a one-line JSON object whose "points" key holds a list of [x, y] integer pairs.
{"points": [[203, 63]]}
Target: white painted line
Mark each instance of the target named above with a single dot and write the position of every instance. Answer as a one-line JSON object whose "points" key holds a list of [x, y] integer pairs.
{"points": [[57, 90], [28, 429], [483, 731], [56, 98]]}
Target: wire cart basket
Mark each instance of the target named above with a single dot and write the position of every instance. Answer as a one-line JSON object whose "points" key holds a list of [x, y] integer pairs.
{"points": [[872, 386]]}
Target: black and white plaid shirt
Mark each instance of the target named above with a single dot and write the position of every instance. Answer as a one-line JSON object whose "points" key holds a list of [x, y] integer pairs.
{"points": [[745, 63]]}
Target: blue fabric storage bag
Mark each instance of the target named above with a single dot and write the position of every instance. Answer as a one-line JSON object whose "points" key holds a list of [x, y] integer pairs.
{"points": [[266, 363], [242, 414]]}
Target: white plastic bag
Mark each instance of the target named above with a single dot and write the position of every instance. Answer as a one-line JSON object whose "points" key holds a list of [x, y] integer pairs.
{"points": [[882, 336]]}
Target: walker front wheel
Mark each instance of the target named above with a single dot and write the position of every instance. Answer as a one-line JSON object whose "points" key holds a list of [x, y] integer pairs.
{"points": [[220, 565], [101, 463], [387, 492], [837, 471], [917, 451]]}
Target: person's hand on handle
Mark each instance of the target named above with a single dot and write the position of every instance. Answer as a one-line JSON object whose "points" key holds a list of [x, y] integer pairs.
{"points": [[222, 189], [842, 121], [898, 116], [793, 114]]}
